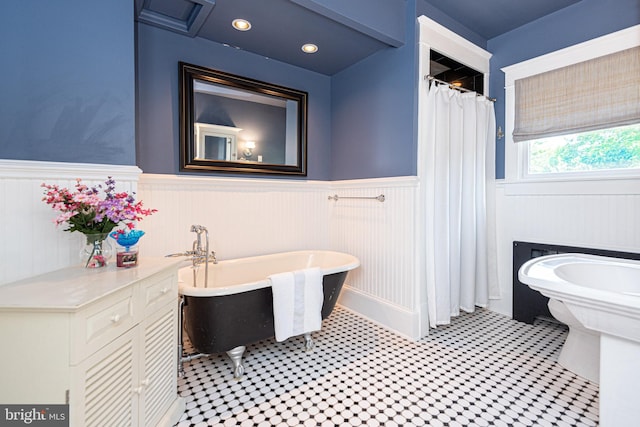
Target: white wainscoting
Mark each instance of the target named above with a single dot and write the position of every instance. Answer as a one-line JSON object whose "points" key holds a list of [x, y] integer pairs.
{"points": [[580, 218], [30, 243], [244, 216], [383, 236], [248, 217]]}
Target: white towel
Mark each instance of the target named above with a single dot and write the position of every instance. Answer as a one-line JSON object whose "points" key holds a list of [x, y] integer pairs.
{"points": [[297, 302]]}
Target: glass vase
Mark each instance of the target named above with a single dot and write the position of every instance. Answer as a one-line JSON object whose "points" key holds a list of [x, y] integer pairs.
{"points": [[97, 250]]}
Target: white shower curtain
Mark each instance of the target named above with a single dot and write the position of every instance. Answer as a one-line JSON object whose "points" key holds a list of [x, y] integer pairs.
{"points": [[459, 191]]}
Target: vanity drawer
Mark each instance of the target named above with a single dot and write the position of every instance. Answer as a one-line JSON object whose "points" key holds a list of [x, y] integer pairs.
{"points": [[100, 323], [154, 294]]}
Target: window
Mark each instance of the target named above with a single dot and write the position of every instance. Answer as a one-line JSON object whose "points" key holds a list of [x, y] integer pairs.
{"points": [[610, 149], [572, 118], [592, 130]]}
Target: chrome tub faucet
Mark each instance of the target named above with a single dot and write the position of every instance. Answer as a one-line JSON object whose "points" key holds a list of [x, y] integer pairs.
{"points": [[199, 254]]}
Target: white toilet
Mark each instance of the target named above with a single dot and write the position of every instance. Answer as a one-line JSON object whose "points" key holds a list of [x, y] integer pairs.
{"points": [[581, 351]]}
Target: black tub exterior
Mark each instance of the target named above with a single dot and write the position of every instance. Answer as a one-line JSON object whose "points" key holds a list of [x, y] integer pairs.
{"points": [[216, 324]]}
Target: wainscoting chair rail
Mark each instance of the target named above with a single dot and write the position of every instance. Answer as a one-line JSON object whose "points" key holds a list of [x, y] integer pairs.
{"points": [[379, 198]]}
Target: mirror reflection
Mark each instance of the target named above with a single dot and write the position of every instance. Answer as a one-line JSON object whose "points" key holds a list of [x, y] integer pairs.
{"points": [[231, 123], [214, 142]]}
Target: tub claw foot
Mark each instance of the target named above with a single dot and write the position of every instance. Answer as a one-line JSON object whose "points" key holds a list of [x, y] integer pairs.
{"points": [[308, 342], [235, 354], [238, 372]]}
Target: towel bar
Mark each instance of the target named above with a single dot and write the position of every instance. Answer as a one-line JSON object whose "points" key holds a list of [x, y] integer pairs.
{"points": [[379, 198]]}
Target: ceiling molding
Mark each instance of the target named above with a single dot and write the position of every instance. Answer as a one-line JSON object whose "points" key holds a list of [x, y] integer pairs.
{"points": [[190, 26], [393, 40]]}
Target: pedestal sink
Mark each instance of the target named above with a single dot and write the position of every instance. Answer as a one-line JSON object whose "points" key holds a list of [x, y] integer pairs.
{"points": [[604, 295]]}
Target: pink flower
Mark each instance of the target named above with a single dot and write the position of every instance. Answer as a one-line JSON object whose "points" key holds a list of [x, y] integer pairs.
{"points": [[85, 211]]}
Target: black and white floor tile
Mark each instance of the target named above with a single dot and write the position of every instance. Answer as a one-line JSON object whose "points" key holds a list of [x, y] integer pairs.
{"points": [[482, 370]]}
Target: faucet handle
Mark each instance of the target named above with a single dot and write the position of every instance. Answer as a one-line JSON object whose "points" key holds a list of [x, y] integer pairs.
{"points": [[186, 253], [175, 255], [198, 228]]}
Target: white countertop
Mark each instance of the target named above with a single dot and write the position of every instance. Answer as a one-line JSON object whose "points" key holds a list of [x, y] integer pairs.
{"points": [[72, 288]]}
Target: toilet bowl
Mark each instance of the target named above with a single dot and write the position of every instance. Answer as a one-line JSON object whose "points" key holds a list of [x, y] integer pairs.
{"points": [[581, 350]]}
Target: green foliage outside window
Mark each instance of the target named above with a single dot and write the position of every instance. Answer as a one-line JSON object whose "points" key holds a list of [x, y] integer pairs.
{"points": [[614, 148]]}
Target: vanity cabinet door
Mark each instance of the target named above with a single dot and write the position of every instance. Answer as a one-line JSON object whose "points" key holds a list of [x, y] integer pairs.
{"points": [[106, 387], [159, 362], [107, 346]]}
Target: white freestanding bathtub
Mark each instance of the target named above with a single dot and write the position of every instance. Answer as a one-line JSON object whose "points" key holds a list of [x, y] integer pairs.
{"points": [[235, 307]]}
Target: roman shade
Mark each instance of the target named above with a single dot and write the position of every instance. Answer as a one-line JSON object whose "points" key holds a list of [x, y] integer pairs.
{"points": [[600, 93]]}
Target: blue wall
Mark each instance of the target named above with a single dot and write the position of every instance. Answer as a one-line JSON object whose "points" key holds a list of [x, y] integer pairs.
{"points": [[373, 105], [580, 22], [424, 8], [67, 81], [157, 95]]}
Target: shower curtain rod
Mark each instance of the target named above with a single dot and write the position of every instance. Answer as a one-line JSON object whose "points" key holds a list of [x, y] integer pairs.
{"points": [[431, 78]]}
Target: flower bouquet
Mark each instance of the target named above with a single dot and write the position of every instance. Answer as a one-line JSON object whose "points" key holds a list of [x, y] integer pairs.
{"points": [[93, 215]]}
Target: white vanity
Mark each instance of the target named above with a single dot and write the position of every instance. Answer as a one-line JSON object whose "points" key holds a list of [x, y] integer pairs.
{"points": [[103, 341]]}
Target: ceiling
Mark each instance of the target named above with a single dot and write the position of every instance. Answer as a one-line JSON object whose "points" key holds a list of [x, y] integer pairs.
{"points": [[491, 18], [281, 27]]}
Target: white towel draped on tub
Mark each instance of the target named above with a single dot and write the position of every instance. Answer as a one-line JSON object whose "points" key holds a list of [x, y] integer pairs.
{"points": [[297, 302]]}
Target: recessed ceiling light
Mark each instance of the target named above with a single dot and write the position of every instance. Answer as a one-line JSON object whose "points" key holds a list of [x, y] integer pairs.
{"points": [[309, 48], [241, 24]]}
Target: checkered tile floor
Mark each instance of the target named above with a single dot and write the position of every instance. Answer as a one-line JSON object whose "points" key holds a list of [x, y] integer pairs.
{"points": [[482, 370]]}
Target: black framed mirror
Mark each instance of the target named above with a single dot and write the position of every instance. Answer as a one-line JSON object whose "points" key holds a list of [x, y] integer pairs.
{"points": [[230, 123]]}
